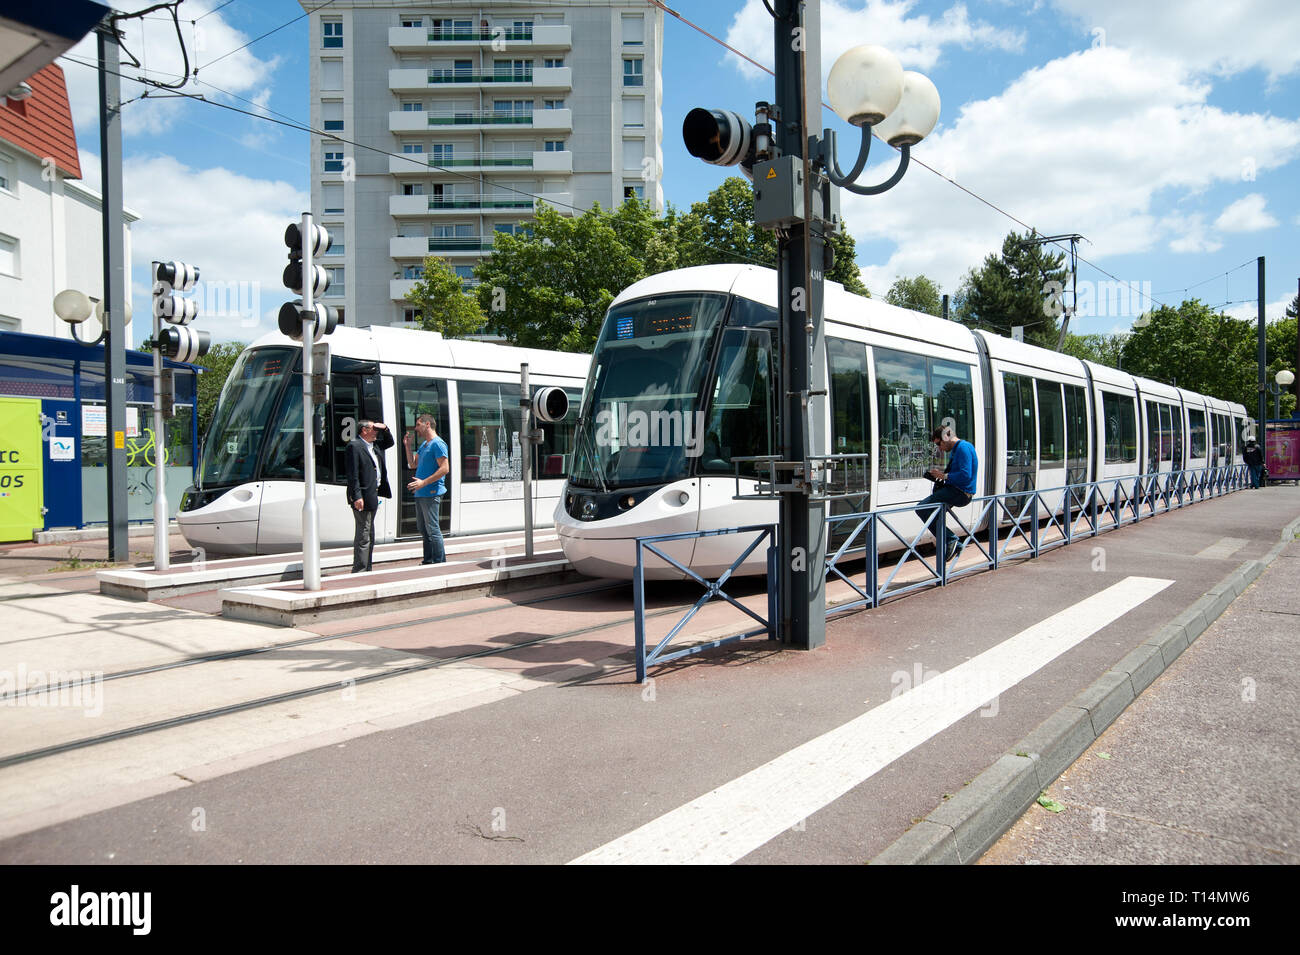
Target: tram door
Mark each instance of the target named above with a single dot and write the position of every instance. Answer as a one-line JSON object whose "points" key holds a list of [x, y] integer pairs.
{"points": [[417, 396], [851, 417]]}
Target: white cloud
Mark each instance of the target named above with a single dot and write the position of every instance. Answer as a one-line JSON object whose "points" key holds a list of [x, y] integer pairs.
{"points": [[917, 41], [153, 41], [230, 225], [1204, 36], [1249, 311], [1189, 234], [1099, 142], [1247, 214]]}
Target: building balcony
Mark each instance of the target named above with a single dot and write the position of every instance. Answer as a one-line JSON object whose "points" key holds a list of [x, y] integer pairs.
{"points": [[407, 206], [399, 289], [417, 247], [424, 39], [408, 80], [413, 121], [410, 164]]}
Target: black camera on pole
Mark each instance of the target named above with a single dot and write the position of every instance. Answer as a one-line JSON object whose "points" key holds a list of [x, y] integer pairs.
{"points": [[292, 314], [720, 137]]}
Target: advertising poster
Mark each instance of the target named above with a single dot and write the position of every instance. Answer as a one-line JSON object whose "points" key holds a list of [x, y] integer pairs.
{"points": [[1282, 450]]}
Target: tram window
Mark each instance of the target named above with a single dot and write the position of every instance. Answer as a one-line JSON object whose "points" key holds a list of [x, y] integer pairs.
{"points": [[1076, 433], [1196, 425], [951, 401], [1051, 425], [417, 396], [1177, 413], [489, 420], [1121, 428], [1166, 432], [746, 312], [1153, 436], [345, 412], [740, 420], [1022, 438], [849, 403], [905, 449], [239, 425], [284, 437]]}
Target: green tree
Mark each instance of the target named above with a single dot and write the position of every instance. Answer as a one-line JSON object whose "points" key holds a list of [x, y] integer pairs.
{"points": [[919, 294], [1102, 349], [442, 302], [1280, 339], [1196, 348], [219, 360], [1012, 289], [550, 289]]}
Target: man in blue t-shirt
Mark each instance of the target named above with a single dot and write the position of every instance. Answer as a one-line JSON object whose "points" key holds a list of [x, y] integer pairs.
{"points": [[953, 486], [430, 463]]}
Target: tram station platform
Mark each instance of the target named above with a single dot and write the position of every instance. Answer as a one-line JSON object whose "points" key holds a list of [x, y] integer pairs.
{"points": [[193, 573]]}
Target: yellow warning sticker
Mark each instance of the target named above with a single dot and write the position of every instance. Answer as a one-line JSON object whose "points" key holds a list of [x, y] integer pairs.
{"points": [[771, 172], [119, 439]]}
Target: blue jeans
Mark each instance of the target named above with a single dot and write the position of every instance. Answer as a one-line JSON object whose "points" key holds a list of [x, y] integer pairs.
{"points": [[426, 518], [947, 496]]}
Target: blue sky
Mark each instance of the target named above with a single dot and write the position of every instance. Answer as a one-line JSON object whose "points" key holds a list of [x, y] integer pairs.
{"points": [[1167, 133]]}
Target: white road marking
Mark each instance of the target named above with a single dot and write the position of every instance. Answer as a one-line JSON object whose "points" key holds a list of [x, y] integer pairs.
{"points": [[1224, 548], [736, 818]]}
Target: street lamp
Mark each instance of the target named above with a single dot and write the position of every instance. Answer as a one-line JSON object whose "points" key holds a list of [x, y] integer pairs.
{"points": [[74, 307], [1280, 383]]}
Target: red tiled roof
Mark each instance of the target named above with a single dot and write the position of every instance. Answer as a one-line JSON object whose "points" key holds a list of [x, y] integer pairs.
{"points": [[42, 123]]}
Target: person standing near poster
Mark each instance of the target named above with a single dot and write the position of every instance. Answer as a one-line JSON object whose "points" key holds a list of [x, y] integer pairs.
{"points": [[429, 461]]}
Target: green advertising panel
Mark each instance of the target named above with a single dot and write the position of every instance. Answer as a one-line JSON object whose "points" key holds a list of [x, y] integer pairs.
{"points": [[20, 468]]}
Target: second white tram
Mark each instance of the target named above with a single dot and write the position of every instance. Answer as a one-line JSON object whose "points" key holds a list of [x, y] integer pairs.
{"points": [[682, 380], [248, 494]]}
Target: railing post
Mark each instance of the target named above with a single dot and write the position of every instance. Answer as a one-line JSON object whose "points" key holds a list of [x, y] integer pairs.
{"points": [[638, 613], [873, 563], [994, 522], [1035, 502], [772, 588], [1093, 491]]}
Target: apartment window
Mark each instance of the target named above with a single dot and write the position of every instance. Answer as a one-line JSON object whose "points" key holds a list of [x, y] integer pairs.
{"points": [[332, 199], [442, 154], [336, 283], [332, 116], [555, 145], [333, 160], [452, 30], [412, 106], [413, 272], [410, 315], [521, 30], [632, 75], [412, 149], [412, 188], [336, 248], [450, 231], [8, 255], [633, 29], [634, 112], [633, 153], [520, 109], [7, 182], [331, 74], [516, 70], [553, 62], [331, 33], [416, 22], [634, 192], [553, 104], [514, 228]]}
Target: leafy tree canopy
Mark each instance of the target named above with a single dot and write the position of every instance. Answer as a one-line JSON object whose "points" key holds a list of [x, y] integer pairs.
{"points": [[1102, 349], [442, 302], [919, 294], [1012, 289], [219, 360]]}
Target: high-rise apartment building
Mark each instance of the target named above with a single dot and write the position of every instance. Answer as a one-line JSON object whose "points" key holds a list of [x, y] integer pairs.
{"points": [[454, 119]]}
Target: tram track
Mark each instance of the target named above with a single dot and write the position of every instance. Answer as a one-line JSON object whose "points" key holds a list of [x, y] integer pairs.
{"points": [[290, 695]]}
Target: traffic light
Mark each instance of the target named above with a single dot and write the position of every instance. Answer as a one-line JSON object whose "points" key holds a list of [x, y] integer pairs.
{"points": [[720, 137], [292, 314], [176, 341], [550, 404]]}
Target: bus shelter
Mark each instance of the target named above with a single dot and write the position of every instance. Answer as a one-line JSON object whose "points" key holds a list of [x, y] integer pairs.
{"points": [[53, 440], [1282, 449]]}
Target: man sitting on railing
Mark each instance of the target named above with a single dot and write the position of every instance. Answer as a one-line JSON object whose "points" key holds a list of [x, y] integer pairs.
{"points": [[954, 486]]}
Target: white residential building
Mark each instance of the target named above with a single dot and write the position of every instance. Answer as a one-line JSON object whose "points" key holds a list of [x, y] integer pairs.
{"points": [[454, 119]]}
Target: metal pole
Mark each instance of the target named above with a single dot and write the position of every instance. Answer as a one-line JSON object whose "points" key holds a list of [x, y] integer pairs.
{"points": [[799, 283], [526, 465], [161, 549], [945, 308], [1263, 358], [310, 514], [115, 327]]}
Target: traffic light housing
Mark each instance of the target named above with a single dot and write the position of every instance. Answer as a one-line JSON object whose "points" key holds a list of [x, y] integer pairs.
{"points": [[720, 137], [169, 280], [320, 241], [550, 404], [292, 315], [182, 343]]}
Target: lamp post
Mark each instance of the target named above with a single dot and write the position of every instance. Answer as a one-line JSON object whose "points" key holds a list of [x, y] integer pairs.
{"points": [[794, 172], [1280, 383]]}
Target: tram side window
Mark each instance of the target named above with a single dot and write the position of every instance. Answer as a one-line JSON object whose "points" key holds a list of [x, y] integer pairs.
{"points": [[1051, 425], [489, 420], [1076, 433], [1196, 425], [1166, 432], [740, 413], [913, 395], [345, 412], [1121, 428], [555, 453], [1177, 414], [849, 403], [1153, 436], [1022, 438]]}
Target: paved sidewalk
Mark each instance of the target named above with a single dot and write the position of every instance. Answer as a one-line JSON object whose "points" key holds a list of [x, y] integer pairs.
{"points": [[1203, 767]]}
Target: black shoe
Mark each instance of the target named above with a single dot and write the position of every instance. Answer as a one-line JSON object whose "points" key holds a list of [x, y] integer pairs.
{"points": [[951, 553]]}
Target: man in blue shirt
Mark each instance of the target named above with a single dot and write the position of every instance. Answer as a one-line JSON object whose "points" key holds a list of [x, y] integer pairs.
{"points": [[430, 463], [955, 485]]}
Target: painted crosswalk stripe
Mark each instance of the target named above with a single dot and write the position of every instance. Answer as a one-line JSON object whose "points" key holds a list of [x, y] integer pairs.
{"points": [[1222, 549], [733, 820]]}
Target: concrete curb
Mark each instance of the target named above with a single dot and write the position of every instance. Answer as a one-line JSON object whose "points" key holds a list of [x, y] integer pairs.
{"points": [[960, 830], [72, 536]]}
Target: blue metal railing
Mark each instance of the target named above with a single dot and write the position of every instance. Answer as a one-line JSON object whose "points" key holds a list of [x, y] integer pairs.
{"points": [[1026, 518], [712, 588]]}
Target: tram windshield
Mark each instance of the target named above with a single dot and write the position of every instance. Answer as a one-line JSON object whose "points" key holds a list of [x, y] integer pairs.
{"points": [[642, 415], [239, 425]]}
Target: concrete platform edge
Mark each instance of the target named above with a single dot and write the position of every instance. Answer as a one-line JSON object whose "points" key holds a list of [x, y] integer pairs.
{"points": [[959, 830]]}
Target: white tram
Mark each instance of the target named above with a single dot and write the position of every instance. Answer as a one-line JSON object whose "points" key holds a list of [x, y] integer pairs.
{"points": [[682, 380], [249, 492]]}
